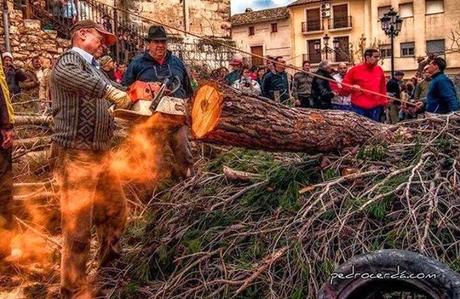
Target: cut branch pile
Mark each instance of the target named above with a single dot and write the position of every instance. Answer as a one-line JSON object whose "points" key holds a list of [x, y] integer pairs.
{"points": [[253, 224], [279, 224]]}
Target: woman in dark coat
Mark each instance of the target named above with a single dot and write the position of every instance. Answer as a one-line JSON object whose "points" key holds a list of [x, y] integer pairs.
{"points": [[322, 93]]}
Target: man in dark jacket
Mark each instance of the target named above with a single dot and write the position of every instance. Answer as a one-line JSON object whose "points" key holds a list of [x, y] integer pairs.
{"points": [[276, 84], [156, 65], [13, 75], [301, 86], [322, 93], [237, 70], [394, 90], [6, 175], [442, 96]]}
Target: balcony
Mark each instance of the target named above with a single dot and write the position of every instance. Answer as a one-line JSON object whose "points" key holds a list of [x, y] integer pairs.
{"points": [[340, 23], [312, 26]]}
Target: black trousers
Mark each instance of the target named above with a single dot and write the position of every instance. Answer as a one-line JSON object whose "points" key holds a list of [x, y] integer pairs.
{"points": [[305, 101], [6, 188]]}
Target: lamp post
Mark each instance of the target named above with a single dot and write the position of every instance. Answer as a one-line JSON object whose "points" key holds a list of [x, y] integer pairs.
{"points": [[391, 25], [326, 49]]}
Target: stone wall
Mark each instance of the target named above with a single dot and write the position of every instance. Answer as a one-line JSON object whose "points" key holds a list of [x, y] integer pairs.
{"points": [[203, 17], [27, 40]]}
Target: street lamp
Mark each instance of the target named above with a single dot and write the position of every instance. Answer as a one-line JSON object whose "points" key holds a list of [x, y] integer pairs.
{"points": [[391, 25], [326, 49]]}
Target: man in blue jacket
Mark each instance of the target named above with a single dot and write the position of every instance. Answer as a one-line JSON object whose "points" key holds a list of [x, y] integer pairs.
{"points": [[442, 96], [158, 64], [276, 84]]}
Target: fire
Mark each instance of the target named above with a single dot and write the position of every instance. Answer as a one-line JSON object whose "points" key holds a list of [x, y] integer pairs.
{"points": [[28, 248], [141, 157]]}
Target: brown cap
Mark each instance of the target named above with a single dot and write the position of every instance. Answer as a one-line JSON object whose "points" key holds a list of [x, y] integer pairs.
{"points": [[110, 38]]}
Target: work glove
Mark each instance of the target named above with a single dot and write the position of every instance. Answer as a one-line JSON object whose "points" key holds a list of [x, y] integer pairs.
{"points": [[117, 97]]}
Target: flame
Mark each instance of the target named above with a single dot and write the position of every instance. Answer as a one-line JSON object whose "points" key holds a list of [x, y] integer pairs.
{"points": [[141, 158], [27, 248]]}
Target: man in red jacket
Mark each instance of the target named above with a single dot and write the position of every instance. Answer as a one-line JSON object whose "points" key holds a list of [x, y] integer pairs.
{"points": [[363, 77]]}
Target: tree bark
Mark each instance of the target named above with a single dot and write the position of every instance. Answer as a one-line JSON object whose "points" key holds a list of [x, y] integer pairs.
{"points": [[224, 116]]}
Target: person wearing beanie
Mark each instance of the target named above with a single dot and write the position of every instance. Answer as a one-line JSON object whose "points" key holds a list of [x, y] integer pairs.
{"points": [[13, 75]]}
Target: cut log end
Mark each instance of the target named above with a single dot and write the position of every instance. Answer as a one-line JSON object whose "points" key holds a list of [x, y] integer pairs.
{"points": [[206, 110]]}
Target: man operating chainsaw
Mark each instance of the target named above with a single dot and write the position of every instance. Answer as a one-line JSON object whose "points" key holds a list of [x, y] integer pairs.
{"points": [[83, 127], [159, 65]]}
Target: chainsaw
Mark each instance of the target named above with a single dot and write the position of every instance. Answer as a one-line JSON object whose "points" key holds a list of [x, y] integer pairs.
{"points": [[150, 98]]}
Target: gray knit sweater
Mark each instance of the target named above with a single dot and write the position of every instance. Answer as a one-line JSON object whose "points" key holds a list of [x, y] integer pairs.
{"points": [[81, 116]]}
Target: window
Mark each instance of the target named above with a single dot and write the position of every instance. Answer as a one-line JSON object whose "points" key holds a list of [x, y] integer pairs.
{"points": [[340, 19], [436, 47], [313, 20], [274, 27], [385, 51], [406, 10], [251, 30], [313, 55], [342, 53], [434, 6], [407, 49], [383, 10]]}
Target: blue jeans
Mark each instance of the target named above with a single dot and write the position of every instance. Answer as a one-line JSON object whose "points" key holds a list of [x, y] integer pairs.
{"points": [[373, 114], [342, 107]]}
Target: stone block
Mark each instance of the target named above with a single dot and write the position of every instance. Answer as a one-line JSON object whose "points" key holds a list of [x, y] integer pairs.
{"points": [[32, 24], [14, 30]]}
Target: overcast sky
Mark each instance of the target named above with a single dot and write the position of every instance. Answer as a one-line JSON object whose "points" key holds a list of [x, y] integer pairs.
{"points": [[240, 5]]}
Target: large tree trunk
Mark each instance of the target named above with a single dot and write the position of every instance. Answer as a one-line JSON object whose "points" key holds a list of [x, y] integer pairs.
{"points": [[223, 116]]}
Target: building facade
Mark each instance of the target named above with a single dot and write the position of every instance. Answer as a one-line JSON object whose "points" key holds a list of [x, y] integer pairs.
{"points": [[264, 33], [354, 25]]}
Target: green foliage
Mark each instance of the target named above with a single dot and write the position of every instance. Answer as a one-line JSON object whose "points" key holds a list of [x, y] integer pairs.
{"points": [[455, 264], [328, 215], [380, 208], [444, 144], [372, 153], [330, 173], [326, 267], [130, 291], [243, 160], [297, 294], [282, 190]]}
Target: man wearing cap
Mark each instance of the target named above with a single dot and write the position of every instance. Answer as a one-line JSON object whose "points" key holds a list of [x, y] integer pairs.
{"points": [[6, 175], [158, 64], [89, 191], [237, 70]]}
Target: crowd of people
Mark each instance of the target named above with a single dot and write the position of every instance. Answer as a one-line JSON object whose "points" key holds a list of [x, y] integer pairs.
{"points": [[362, 88]]}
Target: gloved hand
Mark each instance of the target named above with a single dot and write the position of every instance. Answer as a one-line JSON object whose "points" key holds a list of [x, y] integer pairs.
{"points": [[119, 98]]}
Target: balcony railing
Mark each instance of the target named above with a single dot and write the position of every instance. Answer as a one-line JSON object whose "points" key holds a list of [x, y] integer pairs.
{"points": [[340, 22], [310, 26], [55, 16]]}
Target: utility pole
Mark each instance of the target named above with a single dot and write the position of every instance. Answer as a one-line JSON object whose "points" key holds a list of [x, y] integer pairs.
{"points": [[185, 12], [6, 26]]}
